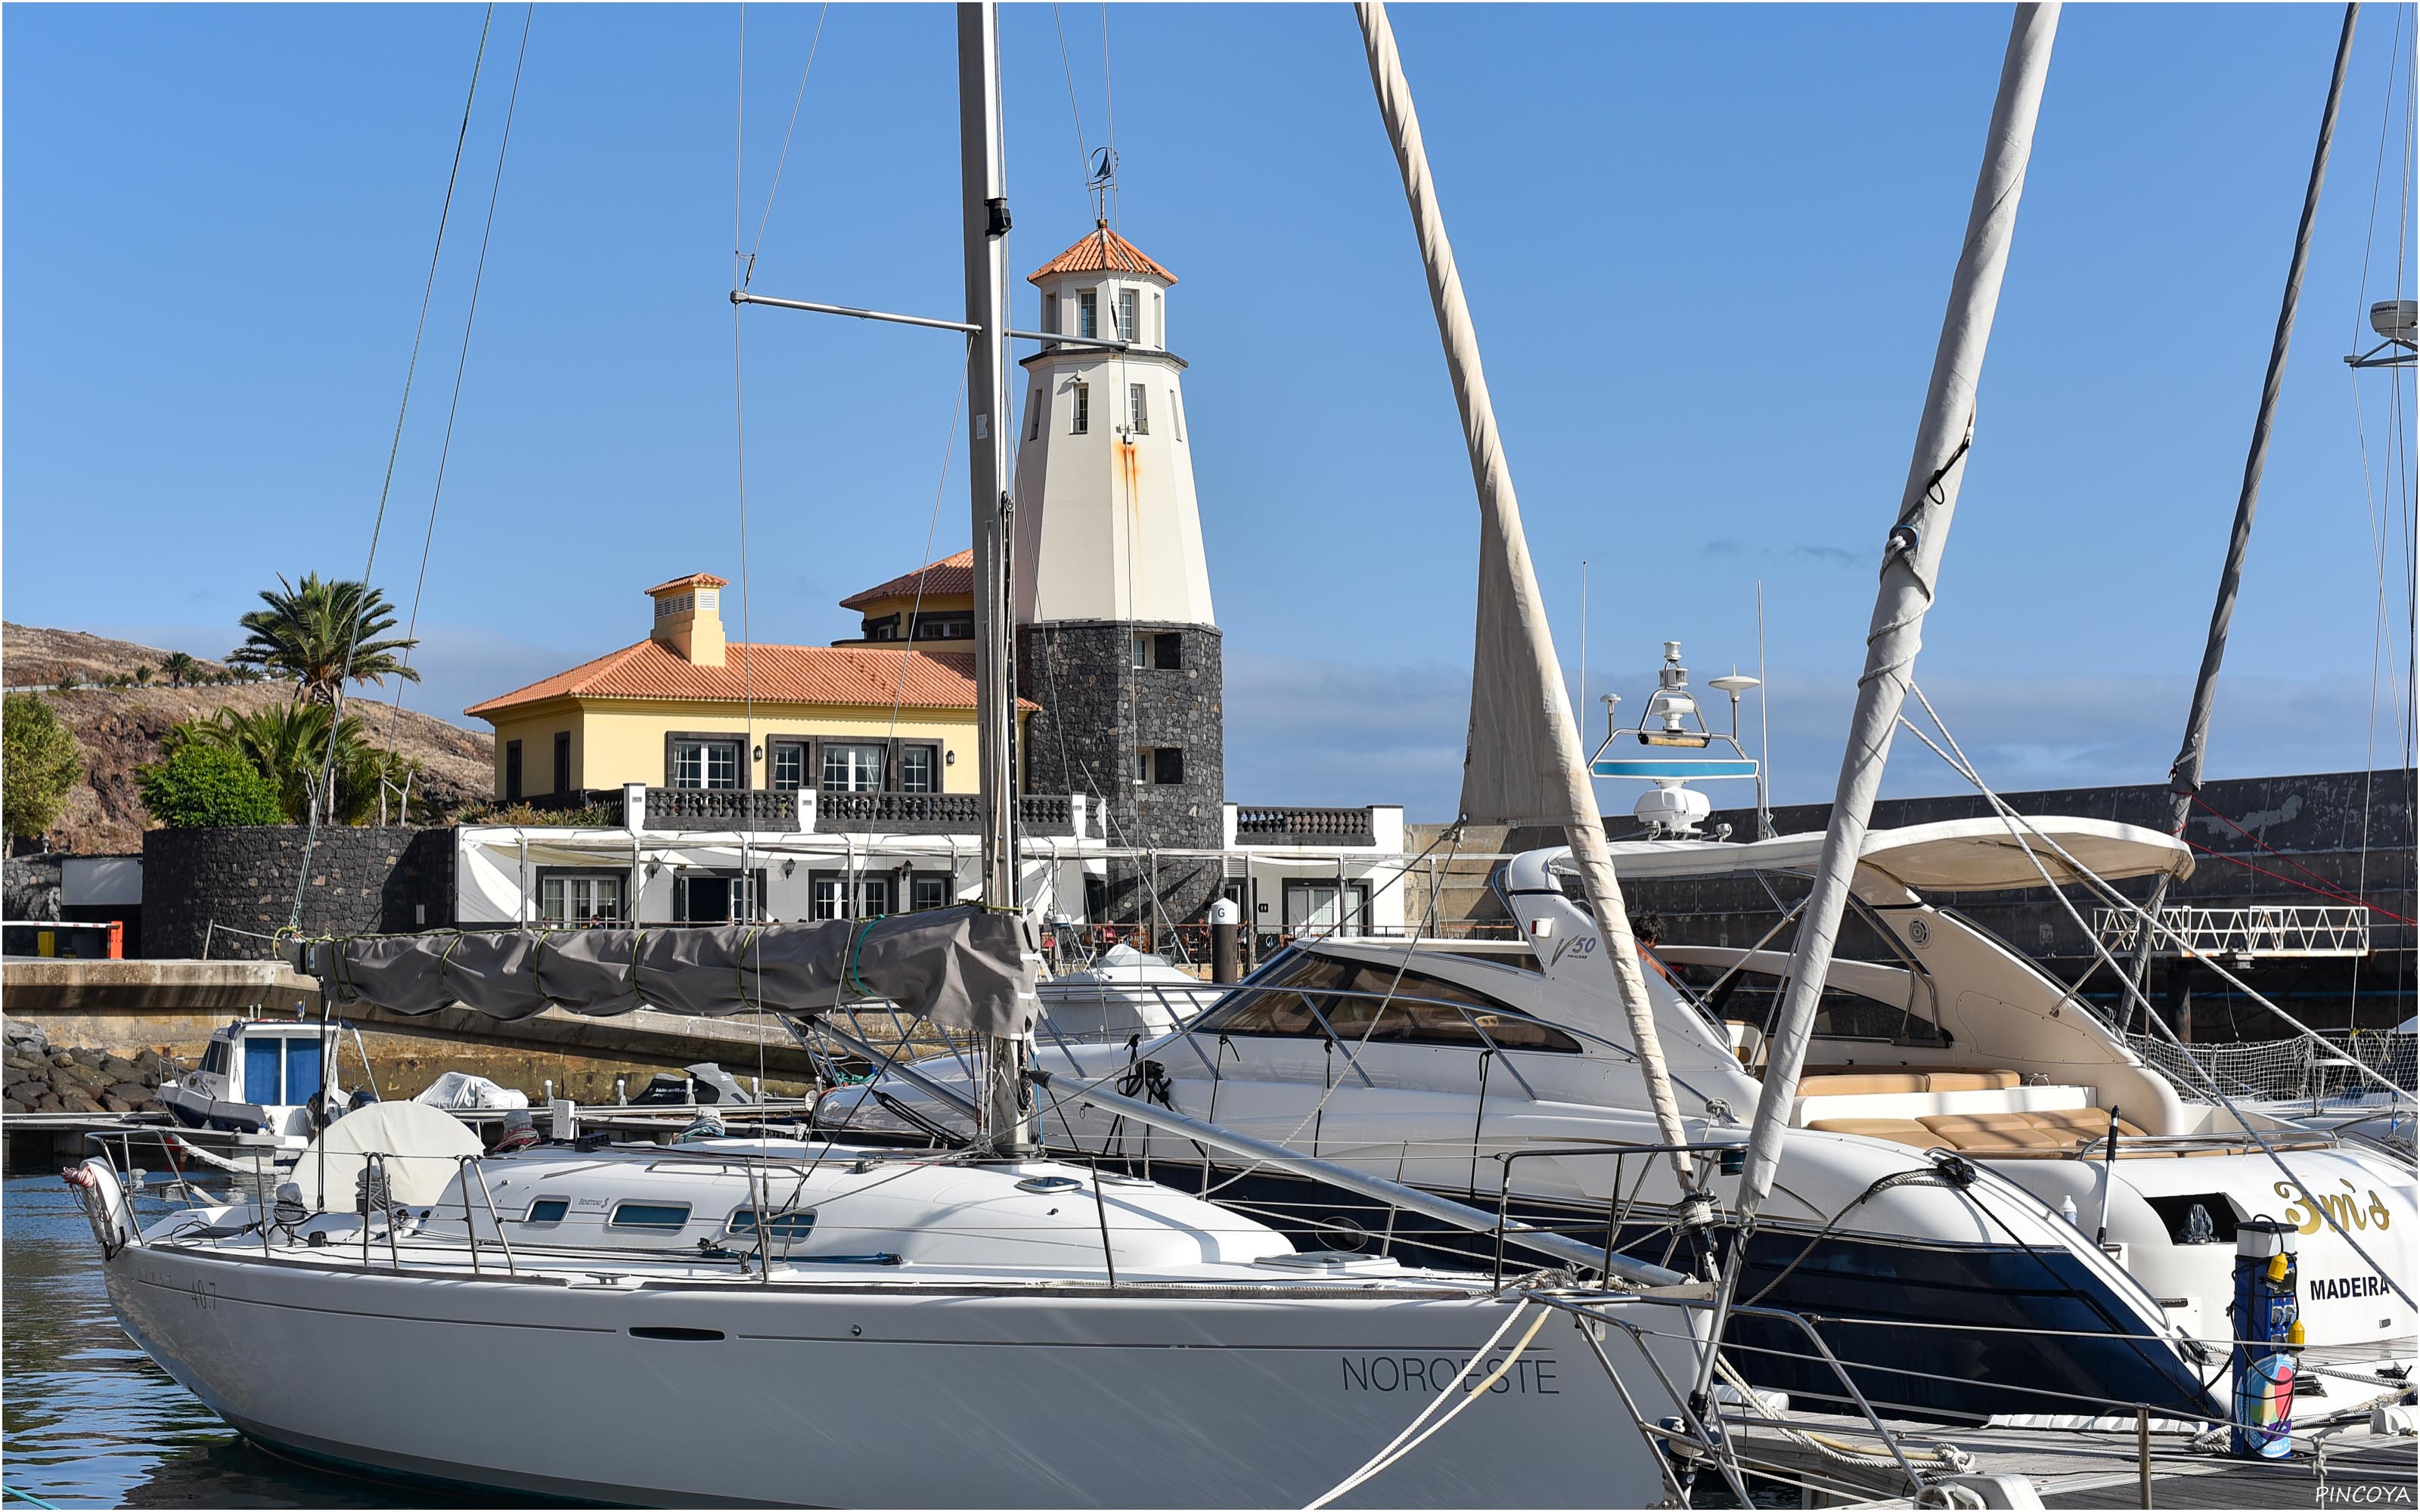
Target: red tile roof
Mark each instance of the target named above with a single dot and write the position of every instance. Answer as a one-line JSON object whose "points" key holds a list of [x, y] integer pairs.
{"points": [[1103, 251], [854, 676], [937, 580], [695, 579]]}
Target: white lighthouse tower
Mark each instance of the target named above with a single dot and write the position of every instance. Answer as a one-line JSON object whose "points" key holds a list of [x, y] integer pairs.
{"points": [[1107, 525], [1117, 641]]}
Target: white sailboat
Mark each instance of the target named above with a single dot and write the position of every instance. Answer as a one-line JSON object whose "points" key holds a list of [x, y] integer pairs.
{"points": [[1452, 1072], [817, 1323]]}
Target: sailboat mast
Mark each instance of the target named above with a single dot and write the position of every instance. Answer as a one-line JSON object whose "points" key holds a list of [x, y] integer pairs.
{"points": [[1525, 761], [983, 179], [2185, 776], [1911, 565]]}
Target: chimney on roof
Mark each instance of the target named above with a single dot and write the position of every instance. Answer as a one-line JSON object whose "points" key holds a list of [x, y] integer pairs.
{"points": [[689, 617]]}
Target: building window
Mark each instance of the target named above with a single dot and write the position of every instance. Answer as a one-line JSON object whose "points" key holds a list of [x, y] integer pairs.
{"points": [[1310, 908], [1177, 413], [1137, 410], [1034, 408], [852, 768], [701, 897], [837, 895], [1167, 765], [1159, 321], [706, 764], [1050, 314], [950, 624], [575, 900], [563, 761], [929, 890], [1142, 764], [1088, 313], [885, 628], [1126, 299], [1079, 413], [1138, 652], [789, 766], [920, 769], [512, 771]]}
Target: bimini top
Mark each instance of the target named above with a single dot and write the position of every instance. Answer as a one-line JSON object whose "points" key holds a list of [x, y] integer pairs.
{"points": [[962, 968], [1953, 856]]}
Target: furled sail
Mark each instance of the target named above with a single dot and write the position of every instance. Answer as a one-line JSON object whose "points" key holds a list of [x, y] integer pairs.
{"points": [[964, 969], [1524, 762]]}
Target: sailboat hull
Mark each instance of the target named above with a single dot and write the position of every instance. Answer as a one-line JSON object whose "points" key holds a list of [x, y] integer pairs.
{"points": [[1149, 1395], [1943, 1331]]}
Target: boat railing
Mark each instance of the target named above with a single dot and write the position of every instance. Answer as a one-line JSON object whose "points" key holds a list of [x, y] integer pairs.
{"points": [[1619, 1205]]}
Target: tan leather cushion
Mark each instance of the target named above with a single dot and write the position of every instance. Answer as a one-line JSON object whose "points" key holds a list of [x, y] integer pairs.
{"points": [[1991, 1131], [1905, 1130], [1868, 1084], [2080, 1125], [1970, 1081]]}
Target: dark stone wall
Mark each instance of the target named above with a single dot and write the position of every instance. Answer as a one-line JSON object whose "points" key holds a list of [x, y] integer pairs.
{"points": [[365, 880], [1096, 709], [2267, 841]]}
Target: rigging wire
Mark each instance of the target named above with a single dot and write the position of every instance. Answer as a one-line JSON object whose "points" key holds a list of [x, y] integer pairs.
{"points": [[1109, 106], [325, 793], [2379, 518], [748, 271], [1083, 152], [746, 889], [924, 575], [461, 361]]}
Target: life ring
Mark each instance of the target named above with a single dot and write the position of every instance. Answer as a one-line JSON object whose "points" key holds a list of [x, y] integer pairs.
{"points": [[103, 1200]]}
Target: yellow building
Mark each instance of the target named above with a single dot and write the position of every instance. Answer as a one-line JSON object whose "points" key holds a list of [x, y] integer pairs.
{"points": [[687, 708]]}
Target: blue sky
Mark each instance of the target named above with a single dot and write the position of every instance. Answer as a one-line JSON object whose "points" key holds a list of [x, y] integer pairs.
{"points": [[1706, 247]]}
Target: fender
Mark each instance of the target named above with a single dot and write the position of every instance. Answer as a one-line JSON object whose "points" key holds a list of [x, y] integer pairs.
{"points": [[103, 1199]]}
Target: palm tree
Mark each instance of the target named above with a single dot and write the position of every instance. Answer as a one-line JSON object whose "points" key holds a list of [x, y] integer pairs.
{"points": [[323, 634], [180, 666], [143, 675], [289, 744]]}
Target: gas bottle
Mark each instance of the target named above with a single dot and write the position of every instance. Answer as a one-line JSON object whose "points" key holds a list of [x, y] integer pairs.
{"points": [[2267, 1316]]}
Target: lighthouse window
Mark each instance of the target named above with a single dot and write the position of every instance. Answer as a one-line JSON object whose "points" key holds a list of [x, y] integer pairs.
{"points": [[1035, 408], [1138, 411], [1088, 313], [1167, 765], [1050, 313], [1159, 322], [1177, 413], [1080, 411], [1126, 315]]}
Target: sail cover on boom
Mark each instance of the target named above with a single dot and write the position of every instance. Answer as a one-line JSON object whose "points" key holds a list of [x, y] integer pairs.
{"points": [[964, 969]]}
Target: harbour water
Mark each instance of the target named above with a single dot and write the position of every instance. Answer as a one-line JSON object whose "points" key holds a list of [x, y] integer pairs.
{"points": [[90, 1422]]}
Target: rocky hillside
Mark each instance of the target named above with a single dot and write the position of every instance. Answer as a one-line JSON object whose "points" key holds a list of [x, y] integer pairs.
{"points": [[36, 658], [120, 729]]}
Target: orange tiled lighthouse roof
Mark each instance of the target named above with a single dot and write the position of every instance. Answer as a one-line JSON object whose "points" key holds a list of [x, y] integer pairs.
{"points": [[1103, 251]]}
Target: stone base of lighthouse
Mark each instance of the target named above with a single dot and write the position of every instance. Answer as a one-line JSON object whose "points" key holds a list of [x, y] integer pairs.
{"points": [[1098, 710]]}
